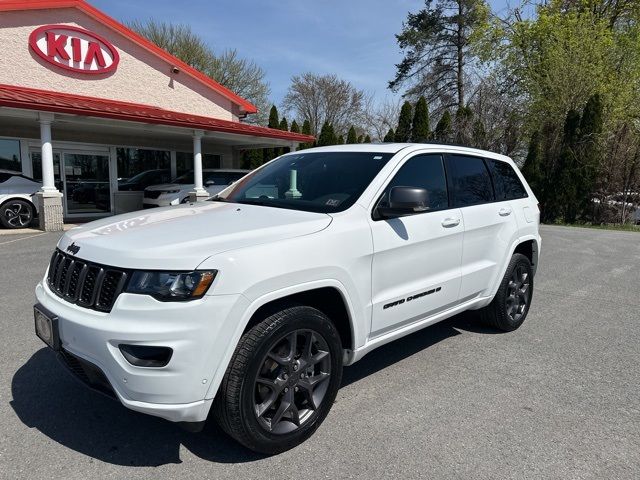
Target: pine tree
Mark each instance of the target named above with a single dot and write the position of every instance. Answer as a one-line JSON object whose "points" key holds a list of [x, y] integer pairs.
{"points": [[283, 125], [294, 127], [274, 122], [352, 136], [531, 169], [420, 126], [360, 138], [390, 136], [443, 131], [340, 140], [403, 132], [367, 139], [306, 130], [463, 126], [252, 159], [564, 202], [327, 135], [590, 155], [479, 135]]}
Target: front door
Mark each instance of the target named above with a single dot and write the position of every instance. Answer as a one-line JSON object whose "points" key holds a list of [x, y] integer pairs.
{"points": [[416, 262], [87, 190]]}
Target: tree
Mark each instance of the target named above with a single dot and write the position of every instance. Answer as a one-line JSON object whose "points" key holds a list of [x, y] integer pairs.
{"points": [[306, 130], [420, 125], [274, 121], [352, 137], [367, 139], [403, 132], [283, 125], [389, 137], [532, 168], [327, 135], [340, 140], [294, 127], [437, 43], [380, 117], [464, 126], [242, 76], [360, 138], [443, 131], [325, 98], [565, 201]]}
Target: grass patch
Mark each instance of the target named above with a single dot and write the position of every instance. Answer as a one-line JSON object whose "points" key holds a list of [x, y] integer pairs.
{"points": [[627, 227]]}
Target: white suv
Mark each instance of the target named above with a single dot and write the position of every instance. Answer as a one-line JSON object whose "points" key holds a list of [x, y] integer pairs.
{"points": [[251, 303]]}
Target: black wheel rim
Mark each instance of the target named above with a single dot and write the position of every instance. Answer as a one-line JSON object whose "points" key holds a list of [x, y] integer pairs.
{"points": [[292, 381], [518, 293], [17, 214]]}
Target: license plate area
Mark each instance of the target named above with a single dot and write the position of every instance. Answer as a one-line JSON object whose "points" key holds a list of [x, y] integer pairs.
{"points": [[46, 325]]}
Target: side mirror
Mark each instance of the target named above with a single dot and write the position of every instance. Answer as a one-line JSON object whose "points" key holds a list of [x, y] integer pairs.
{"points": [[405, 201]]}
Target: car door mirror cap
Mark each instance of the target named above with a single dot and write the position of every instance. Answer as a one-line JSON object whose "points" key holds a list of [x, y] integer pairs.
{"points": [[404, 201]]}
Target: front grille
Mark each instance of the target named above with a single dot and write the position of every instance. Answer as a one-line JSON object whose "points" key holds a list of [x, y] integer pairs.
{"points": [[152, 193], [85, 283]]}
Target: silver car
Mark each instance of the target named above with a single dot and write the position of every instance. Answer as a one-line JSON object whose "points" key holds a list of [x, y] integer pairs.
{"points": [[17, 206]]}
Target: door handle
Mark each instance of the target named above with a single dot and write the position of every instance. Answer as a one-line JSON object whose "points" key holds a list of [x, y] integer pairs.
{"points": [[504, 212], [450, 222]]}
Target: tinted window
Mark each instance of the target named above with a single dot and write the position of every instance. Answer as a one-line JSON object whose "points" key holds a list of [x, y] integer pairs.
{"points": [[316, 182], [133, 161], [423, 171], [506, 181], [470, 180], [10, 155]]}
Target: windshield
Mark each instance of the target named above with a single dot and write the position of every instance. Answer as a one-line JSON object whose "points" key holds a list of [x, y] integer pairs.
{"points": [[323, 182]]}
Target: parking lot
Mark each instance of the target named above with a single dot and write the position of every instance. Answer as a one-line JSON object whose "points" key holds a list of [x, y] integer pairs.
{"points": [[559, 398]]}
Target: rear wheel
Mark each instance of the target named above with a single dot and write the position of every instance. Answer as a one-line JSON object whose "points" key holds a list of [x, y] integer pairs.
{"points": [[281, 381], [510, 305], [16, 214]]}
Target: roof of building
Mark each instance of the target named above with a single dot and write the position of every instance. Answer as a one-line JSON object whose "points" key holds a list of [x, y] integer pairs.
{"points": [[48, 101], [244, 105]]}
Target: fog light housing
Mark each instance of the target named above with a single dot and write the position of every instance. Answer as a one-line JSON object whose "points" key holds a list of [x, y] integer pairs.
{"points": [[146, 356]]}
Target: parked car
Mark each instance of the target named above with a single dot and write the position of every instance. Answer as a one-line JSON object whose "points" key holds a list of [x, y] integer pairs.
{"points": [[620, 207], [144, 179], [249, 304], [176, 192], [17, 206]]}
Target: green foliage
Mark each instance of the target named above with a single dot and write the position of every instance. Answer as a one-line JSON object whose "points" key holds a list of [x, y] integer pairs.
{"points": [[367, 139], [283, 125], [340, 140], [294, 127], [390, 136], [360, 138], [352, 136], [532, 168], [420, 125], [306, 130], [403, 132], [274, 122], [444, 130], [252, 159], [327, 135]]}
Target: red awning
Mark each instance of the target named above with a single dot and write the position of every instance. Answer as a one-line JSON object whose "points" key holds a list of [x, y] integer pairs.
{"points": [[44, 100]]}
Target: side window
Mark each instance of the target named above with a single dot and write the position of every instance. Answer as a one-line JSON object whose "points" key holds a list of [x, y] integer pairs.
{"points": [[422, 171], [506, 181], [470, 180]]}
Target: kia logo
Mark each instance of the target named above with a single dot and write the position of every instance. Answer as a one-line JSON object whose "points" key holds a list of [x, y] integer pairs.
{"points": [[74, 49], [73, 248]]}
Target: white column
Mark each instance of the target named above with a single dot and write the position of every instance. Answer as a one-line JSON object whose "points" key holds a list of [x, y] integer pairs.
{"points": [[197, 161], [48, 181], [198, 193]]}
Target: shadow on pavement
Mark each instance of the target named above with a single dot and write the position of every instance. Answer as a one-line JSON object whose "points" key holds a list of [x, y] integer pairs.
{"points": [[47, 398]]}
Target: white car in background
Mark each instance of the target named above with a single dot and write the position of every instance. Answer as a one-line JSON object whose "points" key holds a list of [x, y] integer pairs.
{"points": [[176, 192], [17, 206]]}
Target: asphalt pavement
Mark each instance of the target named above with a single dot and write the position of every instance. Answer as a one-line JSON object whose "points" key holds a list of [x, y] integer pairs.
{"points": [[558, 398]]}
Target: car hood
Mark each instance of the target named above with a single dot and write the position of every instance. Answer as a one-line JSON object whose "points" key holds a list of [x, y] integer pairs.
{"points": [[170, 186], [181, 237]]}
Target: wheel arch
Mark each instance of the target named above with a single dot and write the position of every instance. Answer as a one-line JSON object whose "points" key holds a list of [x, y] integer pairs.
{"points": [[528, 246]]}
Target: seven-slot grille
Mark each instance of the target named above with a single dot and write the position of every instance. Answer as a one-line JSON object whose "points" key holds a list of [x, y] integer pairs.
{"points": [[85, 283]]}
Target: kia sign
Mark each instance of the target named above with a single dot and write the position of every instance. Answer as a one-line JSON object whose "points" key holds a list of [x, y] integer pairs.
{"points": [[74, 48]]}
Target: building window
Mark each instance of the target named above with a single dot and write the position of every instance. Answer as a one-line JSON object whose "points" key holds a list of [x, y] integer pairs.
{"points": [[184, 162], [10, 155], [137, 167]]}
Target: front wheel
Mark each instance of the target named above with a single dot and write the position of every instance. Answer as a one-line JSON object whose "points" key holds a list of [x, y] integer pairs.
{"points": [[510, 306], [282, 380], [16, 214]]}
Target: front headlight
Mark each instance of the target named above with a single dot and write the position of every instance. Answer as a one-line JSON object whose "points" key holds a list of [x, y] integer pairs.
{"points": [[171, 286]]}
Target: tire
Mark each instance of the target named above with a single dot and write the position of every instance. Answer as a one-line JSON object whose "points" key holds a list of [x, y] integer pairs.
{"points": [[509, 308], [16, 213], [264, 377]]}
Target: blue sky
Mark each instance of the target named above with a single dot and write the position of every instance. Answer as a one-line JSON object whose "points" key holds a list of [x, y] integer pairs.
{"points": [[351, 38]]}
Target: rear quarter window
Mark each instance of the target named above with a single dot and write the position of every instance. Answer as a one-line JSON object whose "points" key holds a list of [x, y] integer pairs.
{"points": [[506, 181]]}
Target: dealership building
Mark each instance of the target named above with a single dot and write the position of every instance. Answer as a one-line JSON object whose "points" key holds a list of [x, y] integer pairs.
{"points": [[86, 105]]}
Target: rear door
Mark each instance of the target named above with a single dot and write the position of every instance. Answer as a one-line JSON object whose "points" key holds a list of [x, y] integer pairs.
{"points": [[490, 226], [416, 262]]}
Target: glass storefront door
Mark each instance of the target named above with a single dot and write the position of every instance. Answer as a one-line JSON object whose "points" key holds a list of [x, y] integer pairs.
{"points": [[82, 177], [87, 189]]}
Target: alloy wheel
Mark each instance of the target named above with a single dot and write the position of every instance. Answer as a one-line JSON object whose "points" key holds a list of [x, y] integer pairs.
{"points": [[17, 214], [518, 293], [292, 381]]}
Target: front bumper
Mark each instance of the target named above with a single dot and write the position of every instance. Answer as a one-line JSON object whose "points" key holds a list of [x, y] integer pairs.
{"points": [[197, 331]]}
